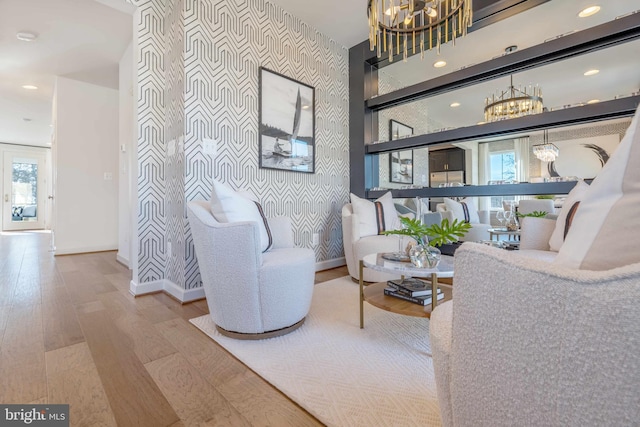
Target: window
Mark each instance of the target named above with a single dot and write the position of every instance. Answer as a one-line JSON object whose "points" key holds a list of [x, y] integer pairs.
{"points": [[502, 168]]}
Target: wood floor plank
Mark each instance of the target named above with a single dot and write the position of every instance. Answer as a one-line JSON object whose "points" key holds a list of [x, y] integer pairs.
{"points": [[134, 397], [186, 311], [195, 400], [334, 273], [148, 343], [262, 404], [105, 378], [72, 378], [22, 368], [209, 358], [61, 327]]}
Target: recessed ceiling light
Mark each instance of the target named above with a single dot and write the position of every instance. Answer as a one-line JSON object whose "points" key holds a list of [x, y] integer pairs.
{"points": [[440, 64], [26, 36], [29, 87], [305, 107], [591, 72], [454, 104], [593, 101], [591, 10]]}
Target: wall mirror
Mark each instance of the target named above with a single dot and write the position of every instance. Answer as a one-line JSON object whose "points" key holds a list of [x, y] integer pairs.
{"points": [[526, 29]]}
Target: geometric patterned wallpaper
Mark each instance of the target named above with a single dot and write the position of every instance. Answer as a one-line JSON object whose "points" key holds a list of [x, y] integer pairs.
{"points": [[198, 66], [149, 22]]}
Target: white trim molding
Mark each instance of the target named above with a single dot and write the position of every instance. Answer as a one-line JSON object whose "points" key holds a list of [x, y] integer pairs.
{"points": [[330, 263], [86, 249], [168, 287]]}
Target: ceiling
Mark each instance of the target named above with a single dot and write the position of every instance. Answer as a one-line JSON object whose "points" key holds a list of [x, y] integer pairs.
{"points": [[85, 39], [79, 39]]}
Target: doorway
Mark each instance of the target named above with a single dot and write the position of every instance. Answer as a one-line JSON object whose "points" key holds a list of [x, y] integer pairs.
{"points": [[25, 190]]}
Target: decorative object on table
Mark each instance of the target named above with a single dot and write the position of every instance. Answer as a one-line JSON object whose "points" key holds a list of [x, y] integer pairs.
{"points": [[513, 102], [287, 123], [416, 25], [423, 255]]}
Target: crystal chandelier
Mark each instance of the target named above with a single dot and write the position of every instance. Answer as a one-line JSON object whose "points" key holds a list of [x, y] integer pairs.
{"points": [[547, 152], [513, 103], [400, 26]]}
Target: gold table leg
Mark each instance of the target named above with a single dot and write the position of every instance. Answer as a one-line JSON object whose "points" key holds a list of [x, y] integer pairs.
{"points": [[361, 295], [434, 291]]}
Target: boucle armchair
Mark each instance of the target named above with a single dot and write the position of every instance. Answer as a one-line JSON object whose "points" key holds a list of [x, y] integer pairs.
{"points": [[529, 342], [251, 294]]}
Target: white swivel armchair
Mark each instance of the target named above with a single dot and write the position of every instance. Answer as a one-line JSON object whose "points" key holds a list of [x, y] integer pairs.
{"points": [[528, 342], [478, 231], [251, 294], [357, 246]]}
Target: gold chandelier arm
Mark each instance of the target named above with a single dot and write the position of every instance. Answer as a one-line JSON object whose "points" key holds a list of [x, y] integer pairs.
{"points": [[433, 24]]}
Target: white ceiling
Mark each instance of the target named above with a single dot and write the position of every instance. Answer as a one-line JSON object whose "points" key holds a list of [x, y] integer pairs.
{"points": [[85, 39], [79, 39]]}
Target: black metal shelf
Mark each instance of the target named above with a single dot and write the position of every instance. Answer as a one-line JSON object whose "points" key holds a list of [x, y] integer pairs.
{"points": [[623, 107], [522, 189]]}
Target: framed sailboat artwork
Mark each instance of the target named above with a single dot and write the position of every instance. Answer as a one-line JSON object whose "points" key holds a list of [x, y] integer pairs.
{"points": [[287, 123]]}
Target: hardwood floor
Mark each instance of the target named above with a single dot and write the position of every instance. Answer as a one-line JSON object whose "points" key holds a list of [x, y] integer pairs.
{"points": [[70, 332]]}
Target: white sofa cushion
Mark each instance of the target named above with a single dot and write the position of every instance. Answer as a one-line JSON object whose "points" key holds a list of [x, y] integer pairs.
{"points": [[464, 210], [606, 229], [377, 216], [564, 221], [230, 206]]}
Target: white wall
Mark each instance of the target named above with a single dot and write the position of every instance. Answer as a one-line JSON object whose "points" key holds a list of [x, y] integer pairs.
{"points": [[126, 149], [86, 204]]}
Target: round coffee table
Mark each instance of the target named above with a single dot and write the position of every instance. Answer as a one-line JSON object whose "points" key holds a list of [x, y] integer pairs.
{"points": [[374, 293]]}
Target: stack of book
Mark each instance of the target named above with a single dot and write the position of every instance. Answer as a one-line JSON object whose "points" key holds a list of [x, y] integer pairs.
{"points": [[412, 290]]}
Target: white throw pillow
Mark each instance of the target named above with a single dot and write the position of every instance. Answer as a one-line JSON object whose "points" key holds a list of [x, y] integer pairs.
{"points": [[463, 211], [566, 215], [375, 217], [606, 229], [230, 206]]}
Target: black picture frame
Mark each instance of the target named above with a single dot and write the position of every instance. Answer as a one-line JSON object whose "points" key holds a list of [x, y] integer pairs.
{"points": [[286, 123], [401, 167], [399, 130]]}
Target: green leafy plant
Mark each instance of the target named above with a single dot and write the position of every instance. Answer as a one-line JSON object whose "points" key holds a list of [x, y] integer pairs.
{"points": [[535, 214], [437, 234], [545, 196]]}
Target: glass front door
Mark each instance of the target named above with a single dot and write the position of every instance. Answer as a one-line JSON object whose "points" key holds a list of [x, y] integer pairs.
{"points": [[23, 191]]}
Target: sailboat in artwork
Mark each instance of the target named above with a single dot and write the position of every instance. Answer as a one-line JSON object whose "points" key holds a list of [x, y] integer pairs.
{"points": [[277, 149]]}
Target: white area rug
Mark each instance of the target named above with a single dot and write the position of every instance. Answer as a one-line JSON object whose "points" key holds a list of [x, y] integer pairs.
{"points": [[381, 375]]}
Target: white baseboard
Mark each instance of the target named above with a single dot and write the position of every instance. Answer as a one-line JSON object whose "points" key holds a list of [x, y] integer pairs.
{"points": [[164, 285], [188, 295], [183, 295], [330, 263], [85, 249], [146, 288], [122, 260]]}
